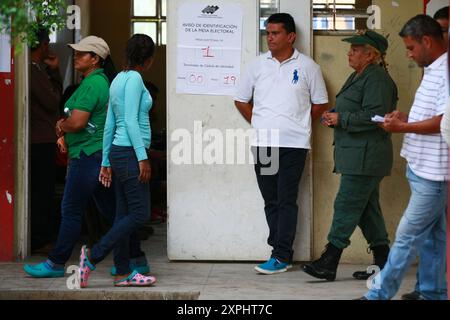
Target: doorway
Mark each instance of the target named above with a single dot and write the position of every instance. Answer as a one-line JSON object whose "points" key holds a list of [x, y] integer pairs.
{"points": [[115, 21]]}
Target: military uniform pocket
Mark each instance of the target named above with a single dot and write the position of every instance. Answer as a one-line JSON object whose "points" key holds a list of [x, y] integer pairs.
{"points": [[350, 155]]}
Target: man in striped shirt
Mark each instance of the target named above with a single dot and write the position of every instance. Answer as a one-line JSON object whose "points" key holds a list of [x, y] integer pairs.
{"points": [[422, 229]]}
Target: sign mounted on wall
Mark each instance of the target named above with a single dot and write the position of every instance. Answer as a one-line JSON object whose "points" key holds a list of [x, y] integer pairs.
{"points": [[5, 53], [209, 48]]}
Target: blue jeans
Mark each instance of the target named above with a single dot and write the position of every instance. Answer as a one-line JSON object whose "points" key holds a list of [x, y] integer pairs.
{"points": [[133, 209], [81, 185], [421, 232]]}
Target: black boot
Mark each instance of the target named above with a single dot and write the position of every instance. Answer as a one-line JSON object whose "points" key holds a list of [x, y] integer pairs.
{"points": [[326, 266], [380, 256]]}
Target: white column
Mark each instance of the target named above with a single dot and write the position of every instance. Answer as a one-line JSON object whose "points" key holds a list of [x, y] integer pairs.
{"points": [[217, 212]]}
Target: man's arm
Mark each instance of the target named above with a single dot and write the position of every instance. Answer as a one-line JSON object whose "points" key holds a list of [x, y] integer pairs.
{"points": [[317, 110], [396, 125], [246, 109], [445, 124]]}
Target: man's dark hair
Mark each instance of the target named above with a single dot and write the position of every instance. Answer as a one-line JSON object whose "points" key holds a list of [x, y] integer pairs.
{"points": [[140, 47], [42, 36], [420, 26], [283, 18], [441, 14]]}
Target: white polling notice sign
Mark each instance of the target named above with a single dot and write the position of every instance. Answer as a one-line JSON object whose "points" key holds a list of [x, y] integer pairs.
{"points": [[209, 48], [5, 53]]}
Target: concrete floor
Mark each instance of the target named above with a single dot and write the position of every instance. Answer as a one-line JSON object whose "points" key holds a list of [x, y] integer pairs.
{"points": [[189, 280]]}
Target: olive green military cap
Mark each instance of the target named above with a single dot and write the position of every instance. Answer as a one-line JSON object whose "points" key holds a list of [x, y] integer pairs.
{"points": [[370, 37]]}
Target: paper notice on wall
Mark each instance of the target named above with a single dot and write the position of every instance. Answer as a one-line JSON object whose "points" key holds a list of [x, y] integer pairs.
{"points": [[5, 53], [209, 48]]}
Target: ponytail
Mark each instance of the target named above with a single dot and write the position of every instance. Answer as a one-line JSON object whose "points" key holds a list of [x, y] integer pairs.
{"points": [[109, 69]]}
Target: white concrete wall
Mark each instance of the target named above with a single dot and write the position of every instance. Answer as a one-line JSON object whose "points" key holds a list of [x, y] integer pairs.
{"points": [[216, 212]]}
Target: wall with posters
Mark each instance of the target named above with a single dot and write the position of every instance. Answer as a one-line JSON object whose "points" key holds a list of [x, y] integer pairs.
{"points": [[215, 210]]}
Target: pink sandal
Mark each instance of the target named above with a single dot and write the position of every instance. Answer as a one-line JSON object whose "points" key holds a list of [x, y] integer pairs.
{"points": [[86, 268], [136, 280]]}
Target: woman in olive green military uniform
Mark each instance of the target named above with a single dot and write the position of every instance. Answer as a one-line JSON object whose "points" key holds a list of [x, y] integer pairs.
{"points": [[363, 154]]}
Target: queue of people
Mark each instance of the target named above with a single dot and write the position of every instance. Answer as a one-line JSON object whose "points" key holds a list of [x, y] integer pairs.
{"points": [[83, 130], [283, 90], [106, 131]]}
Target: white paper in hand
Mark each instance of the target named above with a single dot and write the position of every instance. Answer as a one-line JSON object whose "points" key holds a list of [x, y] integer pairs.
{"points": [[378, 119]]}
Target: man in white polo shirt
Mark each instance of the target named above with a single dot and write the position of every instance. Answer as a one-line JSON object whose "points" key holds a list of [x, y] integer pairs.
{"points": [[280, 94], [422, 229]]}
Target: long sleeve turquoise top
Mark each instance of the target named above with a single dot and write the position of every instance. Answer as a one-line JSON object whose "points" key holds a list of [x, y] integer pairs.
{"points": [[127, 120]]}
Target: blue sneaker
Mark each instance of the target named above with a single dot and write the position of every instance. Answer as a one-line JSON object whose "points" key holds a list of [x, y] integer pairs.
{"points": [[43, 270], [273, 266], [141, 269]]}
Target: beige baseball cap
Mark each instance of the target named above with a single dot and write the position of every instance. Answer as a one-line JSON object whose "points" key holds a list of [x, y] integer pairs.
{"points": [[94, 44]]}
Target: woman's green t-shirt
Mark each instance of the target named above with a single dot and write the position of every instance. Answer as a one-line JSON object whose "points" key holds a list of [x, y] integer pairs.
{"points": [[92, 96]]}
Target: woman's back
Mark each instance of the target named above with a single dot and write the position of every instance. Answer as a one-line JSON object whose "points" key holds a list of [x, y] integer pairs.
{"points": [[130, 102]]}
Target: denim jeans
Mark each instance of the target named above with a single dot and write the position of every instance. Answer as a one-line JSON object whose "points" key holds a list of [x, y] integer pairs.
{"points": [[133, 209], [81, 185], [280, 192], [105, 201], [421, 232]]}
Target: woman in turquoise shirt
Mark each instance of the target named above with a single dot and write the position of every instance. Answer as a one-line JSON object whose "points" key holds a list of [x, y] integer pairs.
{"points": [[126, 143]]}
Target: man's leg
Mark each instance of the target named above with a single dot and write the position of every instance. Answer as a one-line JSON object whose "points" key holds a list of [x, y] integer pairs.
{"points": [[268, 185], [43, 180], [432, 263], [424, 211], [292, 163]]}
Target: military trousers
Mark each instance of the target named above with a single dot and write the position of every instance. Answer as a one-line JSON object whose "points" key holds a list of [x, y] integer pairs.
{"points": [[357, 204]]}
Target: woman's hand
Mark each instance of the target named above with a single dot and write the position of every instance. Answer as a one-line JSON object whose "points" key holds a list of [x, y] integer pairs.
{"points": [[105, 177], [61, 143], [330, 119], [145, 171], [59, 132]]}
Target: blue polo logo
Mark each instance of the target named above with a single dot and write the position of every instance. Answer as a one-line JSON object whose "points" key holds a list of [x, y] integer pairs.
{"points": [[295, 79]]}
